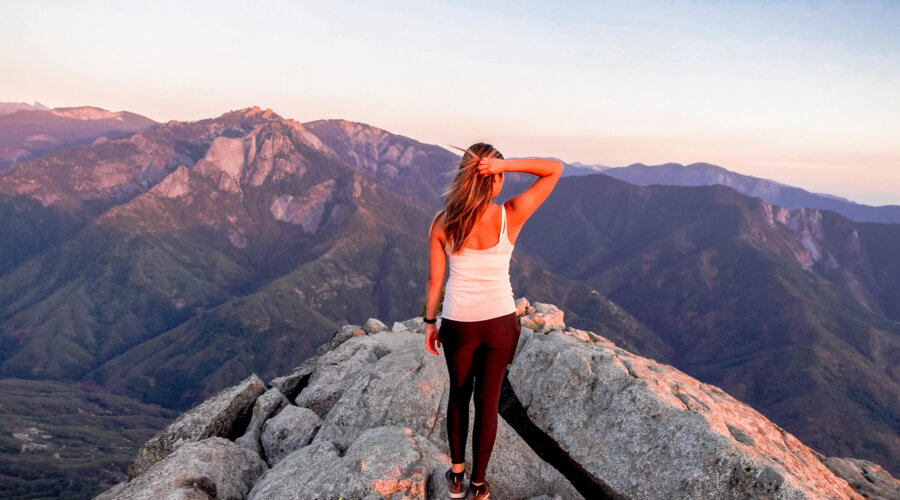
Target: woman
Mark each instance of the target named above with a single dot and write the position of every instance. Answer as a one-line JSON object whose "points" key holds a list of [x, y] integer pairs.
{"points": [[479, 328]]}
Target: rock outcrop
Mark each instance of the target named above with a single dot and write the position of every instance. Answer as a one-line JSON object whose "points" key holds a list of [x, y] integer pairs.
{"points": [[582, 418], [647, 430], [222, 415], [210, 468], [869, 479]]}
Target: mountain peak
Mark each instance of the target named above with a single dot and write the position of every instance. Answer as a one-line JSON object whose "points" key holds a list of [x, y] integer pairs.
{"points": [[255, 113], [86, 113], [349, 127], [256, 110], [704, 165], [12, 107]]}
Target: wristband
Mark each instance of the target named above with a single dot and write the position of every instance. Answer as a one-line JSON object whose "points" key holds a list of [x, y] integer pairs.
{"points": [[430, 321]]}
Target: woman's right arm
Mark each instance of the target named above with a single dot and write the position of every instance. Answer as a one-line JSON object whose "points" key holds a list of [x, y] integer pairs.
{"points": [[525, 203]]}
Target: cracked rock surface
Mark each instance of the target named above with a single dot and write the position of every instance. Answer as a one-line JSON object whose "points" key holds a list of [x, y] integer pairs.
{"points": [[214, 467], [581, 418]]}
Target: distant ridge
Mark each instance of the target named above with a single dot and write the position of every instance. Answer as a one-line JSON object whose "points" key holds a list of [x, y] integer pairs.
{"points": [[29, 131], [12, 107], [706, 174]]}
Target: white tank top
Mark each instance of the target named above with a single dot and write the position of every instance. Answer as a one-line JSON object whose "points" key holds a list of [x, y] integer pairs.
{"points": [[478, 287]]}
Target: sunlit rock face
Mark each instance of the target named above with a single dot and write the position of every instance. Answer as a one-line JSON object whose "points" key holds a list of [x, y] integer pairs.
{"points": [[307, 210]]}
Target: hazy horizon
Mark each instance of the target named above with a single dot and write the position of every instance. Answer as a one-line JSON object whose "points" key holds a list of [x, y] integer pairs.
{"points": [[803, 93]]}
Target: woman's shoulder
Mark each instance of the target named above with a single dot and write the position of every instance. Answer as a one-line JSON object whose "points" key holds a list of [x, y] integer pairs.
{"points": [[438, 224]]}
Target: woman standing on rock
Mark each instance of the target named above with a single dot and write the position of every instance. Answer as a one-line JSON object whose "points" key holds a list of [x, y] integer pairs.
{"points": [[479, 328]]}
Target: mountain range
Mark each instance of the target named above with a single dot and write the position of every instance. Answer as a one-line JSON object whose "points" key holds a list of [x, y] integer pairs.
{"points": [[28, 131], [705, 174], [167, 264]]}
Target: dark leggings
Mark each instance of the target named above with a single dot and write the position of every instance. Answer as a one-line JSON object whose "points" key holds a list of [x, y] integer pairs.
{"points": [[478, 350]]}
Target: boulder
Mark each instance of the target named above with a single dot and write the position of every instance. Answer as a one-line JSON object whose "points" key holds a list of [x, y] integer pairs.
{"points": [[266, 405], [546, 317], [383, 462], [374, 326], [400, 387], [416, 324], [210, 468], [291, 384], [291, 429], [225, 414], [333, 369], [345, 332], [523, 307], [340, 336]]}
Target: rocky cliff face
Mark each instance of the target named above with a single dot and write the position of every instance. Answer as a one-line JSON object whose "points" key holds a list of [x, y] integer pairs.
{"points": [[582, 418], [91, 179]]}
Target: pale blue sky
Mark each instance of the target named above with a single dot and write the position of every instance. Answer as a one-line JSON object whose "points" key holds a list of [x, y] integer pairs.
{"points": [[806, 93]]}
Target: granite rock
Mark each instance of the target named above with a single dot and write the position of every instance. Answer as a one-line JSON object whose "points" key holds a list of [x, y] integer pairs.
{"points": [[222, 415], [266, 405], [210, 468], [579, 417], [291, 429]]}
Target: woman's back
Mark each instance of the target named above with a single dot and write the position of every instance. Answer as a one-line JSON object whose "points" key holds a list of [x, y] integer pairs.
{"points": [[478, 287], [484, 233]]}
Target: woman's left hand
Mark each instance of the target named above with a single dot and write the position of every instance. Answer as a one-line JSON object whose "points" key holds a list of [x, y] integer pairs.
{"points": [[491, 166], [431, 336]]}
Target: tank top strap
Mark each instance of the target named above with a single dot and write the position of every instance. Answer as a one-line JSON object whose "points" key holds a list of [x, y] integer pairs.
{"points": [[503, 220]]}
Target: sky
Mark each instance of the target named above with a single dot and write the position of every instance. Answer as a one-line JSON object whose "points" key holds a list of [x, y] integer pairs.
{"points": [[804, 93]]}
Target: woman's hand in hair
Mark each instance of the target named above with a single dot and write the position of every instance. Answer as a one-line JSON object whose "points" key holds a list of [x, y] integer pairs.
{"points": [[491, 166]]}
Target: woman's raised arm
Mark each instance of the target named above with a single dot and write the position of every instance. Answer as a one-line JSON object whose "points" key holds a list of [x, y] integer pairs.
{"points": [[525, 203]]}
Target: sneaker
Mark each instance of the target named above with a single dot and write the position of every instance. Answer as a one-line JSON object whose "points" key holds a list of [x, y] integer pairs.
{"points": [[481, 491], [455, 486]]}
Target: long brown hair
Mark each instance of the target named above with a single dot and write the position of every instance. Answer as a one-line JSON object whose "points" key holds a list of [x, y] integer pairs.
{"points": [[467, 196]]}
